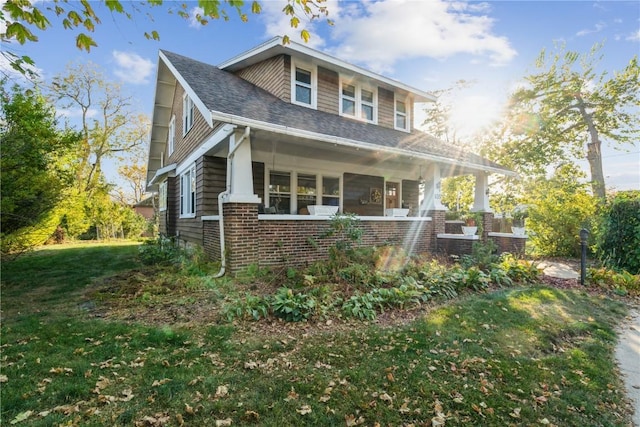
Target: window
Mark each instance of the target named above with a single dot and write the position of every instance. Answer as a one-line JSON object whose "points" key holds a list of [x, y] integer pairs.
{"points": [[188, 193], [280, 191], [290, 193], [187, 114], [304, 84], [402, 116], [162, 196], [357, 101], [171, 135]]}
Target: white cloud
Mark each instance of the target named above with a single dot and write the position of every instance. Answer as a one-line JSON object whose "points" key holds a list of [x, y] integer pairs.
{"points": [[131, 67], [193, 20], [279, 24], [634, 37], [380, 33], [596, 29]]}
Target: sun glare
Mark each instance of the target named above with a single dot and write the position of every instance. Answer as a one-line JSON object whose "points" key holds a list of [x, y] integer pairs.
{"points": [[472, 114]]}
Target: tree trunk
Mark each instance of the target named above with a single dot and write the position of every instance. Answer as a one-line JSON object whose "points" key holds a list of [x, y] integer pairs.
{"points": [[594, 153]]}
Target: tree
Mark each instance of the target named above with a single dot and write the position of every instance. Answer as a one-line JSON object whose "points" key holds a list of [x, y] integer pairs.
{"points": [[33, 169], [567, 108], [108, 126], [24, 16]]}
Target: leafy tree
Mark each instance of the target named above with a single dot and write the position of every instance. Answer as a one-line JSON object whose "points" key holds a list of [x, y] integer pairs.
{"points": [[24, 16], [558, 208], [567, 108], [457, 192], [109, 128], [33, 170]]}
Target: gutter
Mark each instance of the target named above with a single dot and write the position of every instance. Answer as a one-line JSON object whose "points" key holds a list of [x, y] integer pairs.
{"points": [[221, 196]]}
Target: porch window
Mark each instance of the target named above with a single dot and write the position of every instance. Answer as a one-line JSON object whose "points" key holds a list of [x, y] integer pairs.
{"points": [[306, 191], [402, 117], [187, 114], [188, 193], [330, 191], [357, 101], [280, 191], [303, 85], [171, 135], [162, 196]]}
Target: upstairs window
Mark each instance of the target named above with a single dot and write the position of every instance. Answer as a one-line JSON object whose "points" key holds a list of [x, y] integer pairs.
{"points": [[171, 135], [188, 193], [187, 114], [402, 115], [304, 83], [357, 101]]}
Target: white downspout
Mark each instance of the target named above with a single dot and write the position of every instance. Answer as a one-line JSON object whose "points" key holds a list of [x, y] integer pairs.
{"points": [[221, 196]]}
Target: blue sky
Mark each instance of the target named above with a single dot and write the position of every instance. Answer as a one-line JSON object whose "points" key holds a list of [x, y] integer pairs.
{"points": [[428, 44]]}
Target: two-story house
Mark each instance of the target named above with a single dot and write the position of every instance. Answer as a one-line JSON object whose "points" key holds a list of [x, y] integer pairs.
{"points": [[250, 157]]}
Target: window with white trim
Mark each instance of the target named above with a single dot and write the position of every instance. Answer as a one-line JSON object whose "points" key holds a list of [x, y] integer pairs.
{"points": [[187, 114], [171, 135], [188, 193], [303, 85], [358, 101], [162, 196], [401, 115], [290, 192]]}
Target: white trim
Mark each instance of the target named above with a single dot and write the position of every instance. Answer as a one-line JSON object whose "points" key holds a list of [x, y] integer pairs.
{"points": [[160, 172], [188, 193], [185, 86], [406, 114], [276, 217], [210, 218], [171, 135], [275, 46], [219, 136], [510, 235], [286, 130], [358, 87], [313, 71], [188, 113], [162, 196], [458, 236]]}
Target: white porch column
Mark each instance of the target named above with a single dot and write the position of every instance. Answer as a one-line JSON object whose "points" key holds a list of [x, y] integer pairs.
{"points": [[240, 173], [432, 190], [481, 197]]}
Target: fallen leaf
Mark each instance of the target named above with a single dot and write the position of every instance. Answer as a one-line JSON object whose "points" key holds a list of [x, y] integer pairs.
{"points": [[3, 378], [304, 410], [21, 417], [188, 409], [224, 423], [221, 391], [386, 398], [156, 383], [515, 413], [128, 395]]}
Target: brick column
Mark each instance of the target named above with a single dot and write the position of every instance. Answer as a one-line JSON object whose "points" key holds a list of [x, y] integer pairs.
{"points": [[240, 235], [487, 225], [438, 225]]}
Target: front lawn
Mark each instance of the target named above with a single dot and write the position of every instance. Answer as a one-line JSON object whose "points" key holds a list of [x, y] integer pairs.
{"points": [[81, 348]]}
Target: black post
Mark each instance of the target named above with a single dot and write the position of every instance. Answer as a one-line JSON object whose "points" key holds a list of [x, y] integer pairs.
{"points": [[584, 235]]}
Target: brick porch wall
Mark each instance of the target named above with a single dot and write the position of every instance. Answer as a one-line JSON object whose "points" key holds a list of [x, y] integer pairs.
{"points": [[513, 245], [241, 231]]}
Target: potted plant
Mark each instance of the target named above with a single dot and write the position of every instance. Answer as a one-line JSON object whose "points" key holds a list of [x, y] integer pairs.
{"points": [[517, 222], [471, 225]]}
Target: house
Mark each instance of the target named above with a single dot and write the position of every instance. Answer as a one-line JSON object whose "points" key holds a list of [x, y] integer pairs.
{"points": [[250, 157]]}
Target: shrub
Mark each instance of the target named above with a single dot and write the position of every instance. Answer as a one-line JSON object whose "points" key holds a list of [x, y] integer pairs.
{"points": [[293, 307], [160, 251], [247, 307], [619, 241]]}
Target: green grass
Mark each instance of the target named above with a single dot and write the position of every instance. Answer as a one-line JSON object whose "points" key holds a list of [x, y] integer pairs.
{"points": [[525, 356]]}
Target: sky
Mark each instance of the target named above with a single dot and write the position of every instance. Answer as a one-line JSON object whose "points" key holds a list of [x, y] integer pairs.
{"points": [[429, 44]]}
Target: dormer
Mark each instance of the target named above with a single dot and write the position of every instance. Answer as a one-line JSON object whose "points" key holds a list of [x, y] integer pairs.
{"points": [[303, 76]]}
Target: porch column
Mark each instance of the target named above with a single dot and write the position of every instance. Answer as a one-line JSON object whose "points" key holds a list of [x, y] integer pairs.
{"points": [[481, 198], [240, 173], [432, 190]]}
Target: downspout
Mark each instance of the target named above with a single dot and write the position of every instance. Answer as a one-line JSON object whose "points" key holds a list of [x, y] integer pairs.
{"points": [[221, 196]]}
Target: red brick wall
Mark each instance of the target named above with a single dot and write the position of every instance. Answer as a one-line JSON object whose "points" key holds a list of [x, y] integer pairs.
{"points": [[508, 244], [211, 239], [439, 224], [241, 230]]}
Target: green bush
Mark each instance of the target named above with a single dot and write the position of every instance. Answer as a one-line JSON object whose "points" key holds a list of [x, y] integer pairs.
{"points": [[247, 307], [619, 241], [293, 307], [160, 251]]}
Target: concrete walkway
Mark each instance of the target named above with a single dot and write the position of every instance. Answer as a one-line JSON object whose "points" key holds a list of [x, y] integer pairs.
{"points": [[628, 347], [628, 356]]}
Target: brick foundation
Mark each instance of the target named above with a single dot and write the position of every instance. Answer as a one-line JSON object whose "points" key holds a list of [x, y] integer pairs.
{"points": [[240, 235]]}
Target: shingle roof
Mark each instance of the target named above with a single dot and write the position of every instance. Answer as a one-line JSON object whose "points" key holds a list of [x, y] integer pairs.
{"points": [[224, 92]]}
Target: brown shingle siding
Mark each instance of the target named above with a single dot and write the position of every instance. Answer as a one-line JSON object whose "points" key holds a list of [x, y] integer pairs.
{"points": [[271, 75], [328, 91]]}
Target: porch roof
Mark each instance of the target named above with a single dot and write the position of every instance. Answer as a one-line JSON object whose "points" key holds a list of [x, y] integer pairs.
{"points": [[224, 94]]}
